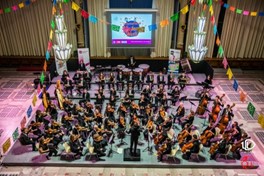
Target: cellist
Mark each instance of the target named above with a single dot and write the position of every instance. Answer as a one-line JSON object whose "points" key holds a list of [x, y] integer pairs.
{"points": [[191, 147]]}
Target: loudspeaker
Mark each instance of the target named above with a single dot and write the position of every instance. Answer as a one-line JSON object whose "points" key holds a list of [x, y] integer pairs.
{"points": [[185, 64]]}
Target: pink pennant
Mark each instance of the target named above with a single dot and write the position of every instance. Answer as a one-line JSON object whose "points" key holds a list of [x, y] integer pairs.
{"points": [[212, 19], [38, 89], [49, 45], [246, 13], [14, 8], [225, 63]]}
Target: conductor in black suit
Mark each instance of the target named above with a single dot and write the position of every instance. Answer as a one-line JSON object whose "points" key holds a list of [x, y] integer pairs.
{"points": [[131, 62], [135, 133]]}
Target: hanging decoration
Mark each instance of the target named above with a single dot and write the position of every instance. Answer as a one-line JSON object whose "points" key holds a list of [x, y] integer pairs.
{"points": [[16, 7]]}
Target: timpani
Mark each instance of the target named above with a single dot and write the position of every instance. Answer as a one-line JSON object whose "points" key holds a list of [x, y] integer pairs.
{"points": [[120, 67], [126, 71], [145, 68], [136, 71]]}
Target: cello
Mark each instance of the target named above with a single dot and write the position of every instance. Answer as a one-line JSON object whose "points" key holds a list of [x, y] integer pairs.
{"points": [[203, 104], [216, 109], [225, 120]]}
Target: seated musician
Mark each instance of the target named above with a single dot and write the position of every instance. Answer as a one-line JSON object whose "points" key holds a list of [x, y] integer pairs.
{"points": [[64, 76], [208, 82], [140, 80], [220, 147], [187, 120], [120, 80], [175, 94], [75, 145], [161, 116], [113, 92], [55, 134], [99, 144], [111, 80], [81, 66], [109, 111], [147, 91], [165, 148], [150, 128], [24, 139], [236, 132], [130, 91], [98, 115], [160, 78], [192, 146], [81, 85], [150, 80], [122, 110], [185, 135], [67, 104], [130, 79], [85, 98], [52, 110], [121, 127], [180, 112], [101, 79], [133, 108], [112, 100], [142, 104], [68, 85], [87, 76], [80, 131], [171, 81], [39, 116], [182, 80], [160, 92], [66, 121], [154, 101], [131, 62], [45, 147], [109, 124], [164, 102], [99, 100], [77, 76], [127, 100]]}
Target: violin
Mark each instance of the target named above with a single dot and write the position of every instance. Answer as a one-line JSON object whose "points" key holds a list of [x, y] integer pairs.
{"points": [[150, 125], [162, 113], [51, 131], [123, 108], [36, 124], [47, 140], [122, 121], [98, 115], [135, 106], [80, 128], [110, 109], [68, 118], [187, 146], [208, 134], [162, 148]]}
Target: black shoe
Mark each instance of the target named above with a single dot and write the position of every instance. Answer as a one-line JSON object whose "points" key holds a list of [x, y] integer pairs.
{"points": [[48, 158]]}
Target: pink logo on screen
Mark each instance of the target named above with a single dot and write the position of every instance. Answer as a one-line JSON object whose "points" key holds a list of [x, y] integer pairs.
{"points": [[130, 28]]}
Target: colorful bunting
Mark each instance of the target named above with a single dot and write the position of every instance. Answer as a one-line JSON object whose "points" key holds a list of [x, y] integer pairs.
{"points": [[47, 55], [49, 45], [29, 111], [34, 100], [1, 11], [239, 11], [261, 13], [51, 34], [115, 27], [210, 2], [15, 8], [6, 145], [27, 2], [212, 19], [226, 5], [84, 14], [215, 29], [243, 96], [66, 1], [152, 27], [185, 9], [53, 10], [54, 2], [246, 13], [15, 134], [232, 8], [21, 5], [211, 10], [193, 2], [7, 10], [229, 73], [251, 109], [220, 51], [225, 63], [175, 17], [93, 19], [218, 42], [45, 66], [235, 85], [253, 14], [42, 78], [164, 23], [75, 6], [52, 24]]}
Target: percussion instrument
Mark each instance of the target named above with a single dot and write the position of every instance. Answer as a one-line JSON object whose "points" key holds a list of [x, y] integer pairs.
{"points": [[136, 71], [120, 67], [126, 71], [145, 68]]}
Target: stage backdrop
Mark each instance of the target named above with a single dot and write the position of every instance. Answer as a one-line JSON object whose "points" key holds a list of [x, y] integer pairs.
{"points": [[83, 54], [174, 59]]}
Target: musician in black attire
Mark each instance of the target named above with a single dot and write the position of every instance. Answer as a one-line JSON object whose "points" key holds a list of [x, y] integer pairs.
{"points": [[45, 148], [130, 79], [75, 145], [175, 94], [85, 97], [68, 85], [130, 91], [160, 78], [171, 82], [154, 101], [195, 148], [112, 92], [222, 147], [180, 112], [150, 79], [82, 66], [87, 76], [140, 81], [135, 133], [77, 77], [25, 140], [182, 80], [131, 62], [64, 76], [147, 91], [168, 144], [120, 80], [208, 81]]}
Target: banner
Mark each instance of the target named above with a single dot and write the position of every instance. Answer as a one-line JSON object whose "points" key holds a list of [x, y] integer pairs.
{"points": [[84, 56], [60, 66], [174, 60], [6, 145]]}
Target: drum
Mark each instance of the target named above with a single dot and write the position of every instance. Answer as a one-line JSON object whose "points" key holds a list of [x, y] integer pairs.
{"points": [[145, 68], [136, 71], [120, 67], [126, 71]]}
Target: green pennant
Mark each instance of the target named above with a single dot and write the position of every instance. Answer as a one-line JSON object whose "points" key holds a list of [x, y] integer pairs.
{"points": [[66, 1], [175, 17], [42, 78], [210, 2], [220, 51], [239, 11], [7, 10], [251, 109], [115, 27], [52, 24]]}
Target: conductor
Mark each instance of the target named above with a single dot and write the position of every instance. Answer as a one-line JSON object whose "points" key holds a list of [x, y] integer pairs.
{"points": [[135, 133]]}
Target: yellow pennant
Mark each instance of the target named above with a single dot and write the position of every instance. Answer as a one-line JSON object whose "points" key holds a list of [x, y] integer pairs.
{"points": [[53, 10], [21, 5], [253, 14], [75, 6], [185, 9], [229, 73], [211, 10], [51, 34], [34, 100]]}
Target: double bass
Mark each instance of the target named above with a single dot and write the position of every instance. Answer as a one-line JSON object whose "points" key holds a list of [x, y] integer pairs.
{"points": [[202, 105], [216, 109], [225, 120]]}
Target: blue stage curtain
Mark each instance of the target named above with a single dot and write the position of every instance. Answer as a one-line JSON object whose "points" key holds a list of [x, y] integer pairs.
{"points": [[128, 4]]}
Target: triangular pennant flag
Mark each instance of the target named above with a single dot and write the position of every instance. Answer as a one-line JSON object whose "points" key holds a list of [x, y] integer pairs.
{"points": [[211, 10], [75, 6], [53, 10], [38, 89], [212, 19], [220, 51], [115, 27], [253, 14], [175, 17], [261, 13], [21, 5], [242, 96], [152, 27], [164, 23], [84, 14], [27, 2], [232, 8], [246, 13], [251, 109], [193, 2], [51, 34], [54, 2], [217, 41], [34, 100], [215, 29], [45, 66], [42, 77], [210, 2], [229, 73], [239, 11], [93, 19], [1, 11], [66, 1], [225, 63], [14, 8], [47, 55], [235, 85], [204, 7], [52, 24], [49, 45], [7, 10], [226, 5], [185, 9]]}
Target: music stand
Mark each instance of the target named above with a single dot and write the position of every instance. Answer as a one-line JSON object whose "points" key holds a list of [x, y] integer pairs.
{"points": [[122, 142], [111, 141], [148, 148]]}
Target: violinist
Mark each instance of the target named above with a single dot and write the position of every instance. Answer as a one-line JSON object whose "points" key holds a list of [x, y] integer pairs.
{"points": [[171, 82], [154, 101], [99, 144], [64, 76], [161, 116], [109, 125], [121, 123], [24, 139], [160, 92], [182, 80], [150, 80], [52, 110], [34, 128], [127, 100], [180, 112], [135, 133], [109, 111], [87, 76], [85, 97], [98, 115], [187, 120], [147, 91], [112, 92], [122, 110], [221, 147], [133, 108], [75, 145], [164, 101], [99, 100], [77, 76], [56, 136], [80, 131], [192, 147], [101, 79], [175, 94], [140, 80], [165, 148], [45, 148], [150, 128], [67, 84], [120, 80], [160, 79], [130, 90], [67, 104], [66, 121], [226, 117], [111, 82], [112, 100]]}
